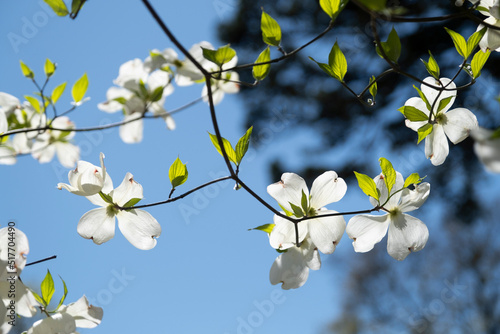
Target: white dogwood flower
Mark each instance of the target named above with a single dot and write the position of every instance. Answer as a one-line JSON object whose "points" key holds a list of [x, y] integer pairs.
{"points": [[454, 124], [86, 179], [487, 148], [139, 227], [406, 233]]}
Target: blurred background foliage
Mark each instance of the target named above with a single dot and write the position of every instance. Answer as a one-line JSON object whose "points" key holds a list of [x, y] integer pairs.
{"points": [[452, 285]]}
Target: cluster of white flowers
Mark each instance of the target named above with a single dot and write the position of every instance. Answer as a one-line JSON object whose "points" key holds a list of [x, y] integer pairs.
{"points": [[43, 144], [144, 85], [64, 320], [139, 227]]}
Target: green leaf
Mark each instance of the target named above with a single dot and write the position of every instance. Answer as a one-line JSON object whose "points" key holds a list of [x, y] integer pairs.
{"points": [[49, 68], [65, 294], [303, 202], [220, 56], [432, 66], [47, 288], [373, 87], [423, 97], [412, 179], [38, 298], [242, 145], [424, 131], [288, 213], [413, 114], [132, 202], [474, 40], [271, 31], [261, 71], [391, 47], [57, 92], [367, 185], [266, 228], [157, 94], [478, 62], [296, 210], [27, 72], [76, 5], [444, 102], [58, 6], [325, 68], [375, 5], [177, 173], [389, 173], [330, 7], [495, 134], [459, 42], [106, 198], [80, 88], [34, 103], [227, 147], [337, 62]]}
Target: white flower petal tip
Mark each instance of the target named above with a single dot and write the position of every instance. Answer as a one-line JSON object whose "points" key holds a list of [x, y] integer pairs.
{"points": [[86, 179]]}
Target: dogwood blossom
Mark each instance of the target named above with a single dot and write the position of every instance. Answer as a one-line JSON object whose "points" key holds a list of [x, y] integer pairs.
{"points": [[68, 317], [86, 179], [8, 104], [225, 85], [487, 148], [139, 91], [491, 39], [406, 233], [454, 124], [138, 226], [323, 234], [49, 143]]}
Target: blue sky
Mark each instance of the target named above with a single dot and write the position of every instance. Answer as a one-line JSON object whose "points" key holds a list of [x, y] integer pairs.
{"points": [[208, 273]]}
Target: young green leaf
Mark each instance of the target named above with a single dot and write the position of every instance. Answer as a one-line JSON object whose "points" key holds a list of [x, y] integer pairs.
{"points": [[259, 72], [459, 42], [478, 62], [38, 298], [227, 147], [57, 92], [224, 55], [266, 228], [326, 68], [58, 6], [303, 202], [271, 31], [373, 87], [65, 294], [106, 198], [444, 102], [49, 68], [412, 179], [132, 202], [413, 114], [330, 7], [34, 103], [76, 6], [474, 40], [424, 131], [423, 97], [389, 173], [375, 5], [47, 288], [27, 72], [297, 211], [177, 173], [432, 66], [157, 94], [80, 88], [391, 47], [367, 185], [288, 213], [242, 145], [337, 62]]}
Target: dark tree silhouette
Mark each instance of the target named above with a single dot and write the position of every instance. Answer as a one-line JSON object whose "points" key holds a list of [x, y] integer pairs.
{"points": [[385, 295]]}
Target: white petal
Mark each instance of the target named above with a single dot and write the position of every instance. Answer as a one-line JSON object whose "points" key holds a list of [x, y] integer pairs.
{"points": [[4, 125], [85, 315], [491, 39], [327, 188], [8, 103], [42, 150], [283, 234], [289, 189], [7, 156], [290, 269], [487, 150], [326, 232], [132, 132], [413, 199], [139, 227], [25, 303], [59, 323], [67, 153], [431, 93], [394, 200], [366, 231], [127, 190], [436, 145], [311, 254], [418, 103], [406, 234], [458, 123], [21, 143], [17, 252], [5, 327], [98, 225]]}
